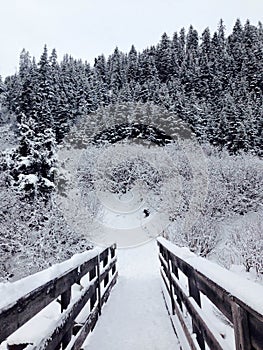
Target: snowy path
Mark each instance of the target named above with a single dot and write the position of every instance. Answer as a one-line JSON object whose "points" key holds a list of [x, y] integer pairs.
{"points": [[135, 317]]}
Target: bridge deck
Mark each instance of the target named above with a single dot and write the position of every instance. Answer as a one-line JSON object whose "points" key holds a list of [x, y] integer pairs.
{"points": [[135, 316]]}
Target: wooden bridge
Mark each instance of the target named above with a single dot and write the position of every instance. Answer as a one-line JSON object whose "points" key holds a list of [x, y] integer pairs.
{"points": [[188, 290], [246, 322]]}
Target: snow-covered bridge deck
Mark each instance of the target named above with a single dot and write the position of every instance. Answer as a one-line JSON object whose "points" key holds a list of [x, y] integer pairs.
{"points": [[135, 316]]}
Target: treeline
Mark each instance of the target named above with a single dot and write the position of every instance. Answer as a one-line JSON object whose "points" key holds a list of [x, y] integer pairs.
{"points": [[213, 82]]}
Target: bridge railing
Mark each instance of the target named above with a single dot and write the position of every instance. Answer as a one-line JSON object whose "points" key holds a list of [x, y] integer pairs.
{"points": [[100, 275], [246, 321]]}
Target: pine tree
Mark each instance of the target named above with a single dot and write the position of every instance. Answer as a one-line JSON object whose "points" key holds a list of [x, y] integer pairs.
{"points": [[206, 77], [33, 162], [192, 42], [132, 66], [235, 48], [182, 49], [253, 58], [2, 86], [100, 82], [45, 93], [116, 73], [176, 56], [164, 61], [28, 75]]}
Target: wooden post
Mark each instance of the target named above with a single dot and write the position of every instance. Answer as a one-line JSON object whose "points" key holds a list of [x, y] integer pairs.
{"points": [[113, 253], [168, 260], [105, 262], [176, 273], [194, 292], [99, 288], [93, 299], [241, 327], [65, 301], [113, 270]]}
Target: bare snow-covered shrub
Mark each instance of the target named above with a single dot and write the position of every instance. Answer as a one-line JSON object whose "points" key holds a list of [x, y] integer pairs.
{"points": [[34, 234], [204, 236], [235, 187], [247, 238], [201, 239], [236, 183]]}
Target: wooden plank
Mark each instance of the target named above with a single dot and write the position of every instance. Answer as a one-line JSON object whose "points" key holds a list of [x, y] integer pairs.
{"points": [[218, 295], [51, 341], [209, 337], [181, 320], [162, 260], [109, 288], [99, 287], [198, 321], [175, 291], [165, 282], [113, 255], [18, 346], [215, 293], [113, 251], [106, 278], [92, 318], [106, 272], [85, 329], [194, 293], [104, 254], [92, 275], [256, 332], [176, 274], [65, 300], [170, 284], [241, 328], [114, 269], [85, 268], [255, 324]]}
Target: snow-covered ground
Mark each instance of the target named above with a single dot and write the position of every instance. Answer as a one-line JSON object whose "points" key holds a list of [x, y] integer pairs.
{"points": [[126, 219], [135, 316]]}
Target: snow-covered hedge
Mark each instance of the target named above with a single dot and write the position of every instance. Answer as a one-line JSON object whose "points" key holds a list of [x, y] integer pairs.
{"points": [[235, 188]]}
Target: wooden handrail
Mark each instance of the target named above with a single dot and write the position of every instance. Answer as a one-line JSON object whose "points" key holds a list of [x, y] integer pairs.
{"points": [[14, 316], [246, 321]]}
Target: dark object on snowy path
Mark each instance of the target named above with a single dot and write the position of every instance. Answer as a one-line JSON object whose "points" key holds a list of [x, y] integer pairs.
{"points": [[146, 213]]}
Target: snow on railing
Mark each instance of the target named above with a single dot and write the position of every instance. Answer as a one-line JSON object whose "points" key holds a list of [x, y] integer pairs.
{"points": [[79, 286], [193, 283]]}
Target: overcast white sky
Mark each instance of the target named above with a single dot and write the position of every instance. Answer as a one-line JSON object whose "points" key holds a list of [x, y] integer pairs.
{"points": [[87, 28]]}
